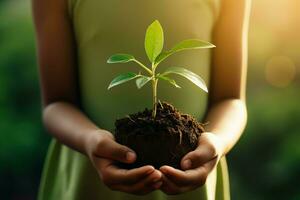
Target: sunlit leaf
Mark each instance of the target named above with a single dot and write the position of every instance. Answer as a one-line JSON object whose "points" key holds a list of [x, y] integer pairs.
{"points": [[171, 81], [154, 40], [122, 78], [194, 78], [184, 45], [141, 81], [120, 58]]}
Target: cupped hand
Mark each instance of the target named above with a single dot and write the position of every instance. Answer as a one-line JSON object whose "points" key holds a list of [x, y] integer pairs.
{"points": [[104, 151], [196, 165]]}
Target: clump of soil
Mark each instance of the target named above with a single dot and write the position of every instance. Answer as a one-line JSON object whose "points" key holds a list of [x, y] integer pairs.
{"points": [[160, 141]]}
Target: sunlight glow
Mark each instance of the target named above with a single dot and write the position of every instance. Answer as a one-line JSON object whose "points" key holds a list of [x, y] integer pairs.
{"points": [[280, 71]]}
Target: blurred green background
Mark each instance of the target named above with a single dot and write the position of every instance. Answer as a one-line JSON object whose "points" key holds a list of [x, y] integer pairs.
{"points": [[265, 164]]}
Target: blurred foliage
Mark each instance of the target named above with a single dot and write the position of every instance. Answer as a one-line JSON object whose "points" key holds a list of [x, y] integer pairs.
{"points": [[264, 164], [23, 142]]}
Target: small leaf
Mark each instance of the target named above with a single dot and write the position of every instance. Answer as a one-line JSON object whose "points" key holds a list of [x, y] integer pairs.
{"points": [[172, 81], [143, 80], [122, 78], [154, 40], [184, 45], [194, 78], [192, 44], [120, 58]]}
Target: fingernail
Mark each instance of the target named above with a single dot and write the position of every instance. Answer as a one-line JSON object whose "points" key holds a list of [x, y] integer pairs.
{"points": [[187, 164], [157, 185], [130, 156], [155, 180], [163, 171], [149, 172]]}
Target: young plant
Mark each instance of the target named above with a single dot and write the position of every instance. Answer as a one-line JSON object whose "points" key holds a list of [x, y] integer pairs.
{"points": [[154, 41]]}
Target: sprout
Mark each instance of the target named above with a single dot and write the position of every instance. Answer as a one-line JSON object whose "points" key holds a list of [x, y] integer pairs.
{"points": [[154, 41]]}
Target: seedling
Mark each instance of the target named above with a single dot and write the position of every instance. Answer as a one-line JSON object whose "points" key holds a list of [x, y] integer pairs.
{"points": [[154, 41]]}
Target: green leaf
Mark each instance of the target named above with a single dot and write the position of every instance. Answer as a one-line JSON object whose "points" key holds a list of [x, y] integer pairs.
{"points": [[172, 81], [143, 80], [122, 78], [184, 45], [120, 58], [194, 78], [154, 40]]}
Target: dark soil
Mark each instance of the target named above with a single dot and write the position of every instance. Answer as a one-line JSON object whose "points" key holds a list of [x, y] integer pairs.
{"points": [[160, 141]]}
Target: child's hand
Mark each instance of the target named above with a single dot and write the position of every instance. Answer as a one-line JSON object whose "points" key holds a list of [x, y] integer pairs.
{"points": [[103, 151], [196, 164]]}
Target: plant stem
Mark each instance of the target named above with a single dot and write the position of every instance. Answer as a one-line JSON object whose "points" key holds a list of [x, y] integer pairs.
{"points": [[154, 90], [143, 66]]}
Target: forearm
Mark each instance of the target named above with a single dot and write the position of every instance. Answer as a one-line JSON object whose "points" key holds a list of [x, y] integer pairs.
{"points": [[227, 119], [69, 125]]}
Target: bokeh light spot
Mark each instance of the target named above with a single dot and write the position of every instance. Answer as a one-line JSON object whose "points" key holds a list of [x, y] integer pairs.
{"points": [[280, 71]]}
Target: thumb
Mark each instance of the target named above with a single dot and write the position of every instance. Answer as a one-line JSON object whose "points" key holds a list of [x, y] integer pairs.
{"points": [[110, 149], [196, 158]]}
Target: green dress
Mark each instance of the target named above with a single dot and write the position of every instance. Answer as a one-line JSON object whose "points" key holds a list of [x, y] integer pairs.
{"points": [[103, 28]]}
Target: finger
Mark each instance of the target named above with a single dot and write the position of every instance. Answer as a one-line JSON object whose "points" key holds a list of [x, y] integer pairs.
{"points": [[195, 176], [198, 157], [209, 166], [111, 174], [169, 187], [108, 148], [148, 184]]}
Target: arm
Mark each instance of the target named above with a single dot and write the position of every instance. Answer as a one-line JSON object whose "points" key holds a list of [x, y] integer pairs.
{"points": [[226, 115], [61, 112]]}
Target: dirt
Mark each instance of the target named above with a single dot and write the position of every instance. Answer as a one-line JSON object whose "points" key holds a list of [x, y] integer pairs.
{"points": [[160, 141]]}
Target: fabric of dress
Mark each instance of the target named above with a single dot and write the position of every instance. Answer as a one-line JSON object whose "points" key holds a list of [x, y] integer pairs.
{"points": [[103, 28]]}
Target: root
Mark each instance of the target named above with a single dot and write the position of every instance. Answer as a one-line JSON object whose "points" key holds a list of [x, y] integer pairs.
{"points": [[180, 136], [130, 118], [160, 104]]}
